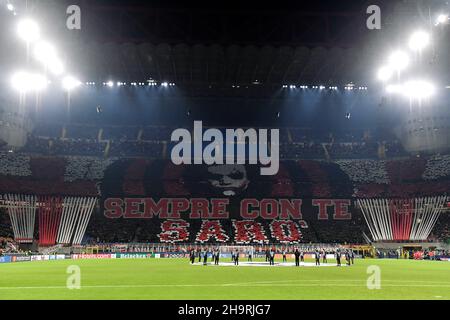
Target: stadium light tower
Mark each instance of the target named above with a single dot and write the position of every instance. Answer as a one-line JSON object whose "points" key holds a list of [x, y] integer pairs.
{"points": [[419, 40], [25, 82], [28, 30]]}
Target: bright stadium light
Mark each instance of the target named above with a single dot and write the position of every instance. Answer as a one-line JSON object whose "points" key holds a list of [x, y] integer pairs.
{"points": [[384, 74], [419, 40], [28, 30], [69, 83], [441, 19], [398, 60], [25, 82], [10, 7], [164, 84], [110, 84], [418, 89]]}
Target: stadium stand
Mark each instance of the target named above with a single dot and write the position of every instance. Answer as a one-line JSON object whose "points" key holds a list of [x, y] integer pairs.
{"points": [[90, 173]]}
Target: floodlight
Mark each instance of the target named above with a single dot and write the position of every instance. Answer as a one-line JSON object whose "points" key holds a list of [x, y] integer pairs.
{"points": [[28, 30], [441, 19], [110, 84], [164, 84], [69, 83], [25, 82], [419, 40], [10, 7], [418, 89], [398, 60]]}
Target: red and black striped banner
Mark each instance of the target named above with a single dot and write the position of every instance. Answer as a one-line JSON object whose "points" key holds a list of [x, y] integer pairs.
{"points": [[50, 210]]}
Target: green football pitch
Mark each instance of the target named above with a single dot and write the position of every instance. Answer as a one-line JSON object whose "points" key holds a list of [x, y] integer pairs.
{"points": [[176, 279]]}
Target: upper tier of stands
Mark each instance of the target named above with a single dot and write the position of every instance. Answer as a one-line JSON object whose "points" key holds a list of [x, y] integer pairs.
{"points": [[154, 142]]}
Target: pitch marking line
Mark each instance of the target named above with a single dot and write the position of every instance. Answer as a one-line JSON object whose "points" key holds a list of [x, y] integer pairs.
{"points": [[319, 283]]}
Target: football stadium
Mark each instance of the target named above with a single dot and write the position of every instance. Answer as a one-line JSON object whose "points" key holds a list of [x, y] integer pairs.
{"points": [[151, 150]]}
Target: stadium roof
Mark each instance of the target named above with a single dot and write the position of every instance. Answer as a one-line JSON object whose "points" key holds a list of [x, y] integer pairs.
{"points": [[218, 64], [200, 44]]}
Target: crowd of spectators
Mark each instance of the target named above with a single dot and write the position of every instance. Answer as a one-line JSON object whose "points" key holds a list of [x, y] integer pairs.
{"points": [[365, 171], [37, 145], [437, 167], [82, 132], [354, 150], [302, 151], [136, 149], [442, 229], [77, 147], [86, 168], [157, 133], [5, 225], [295, 143], [147, 231], [117, 133], [14, 164]]}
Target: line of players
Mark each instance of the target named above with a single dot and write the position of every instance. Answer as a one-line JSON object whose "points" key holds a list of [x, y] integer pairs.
{"points": [[270, 256], [348, 254]]}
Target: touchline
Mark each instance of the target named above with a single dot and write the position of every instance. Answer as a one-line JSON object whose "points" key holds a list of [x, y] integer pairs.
{"points": [[230, 149]]}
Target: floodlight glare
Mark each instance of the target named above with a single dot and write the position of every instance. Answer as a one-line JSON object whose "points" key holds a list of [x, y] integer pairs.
{"points": [[418, 89], [394, 88], [28, 30], [165, 84], [419, 40], [44, 52], [110, 84], [384, 74], [398, 60], [441, 19], [25, 82], [69, 83], [10, 7]]}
